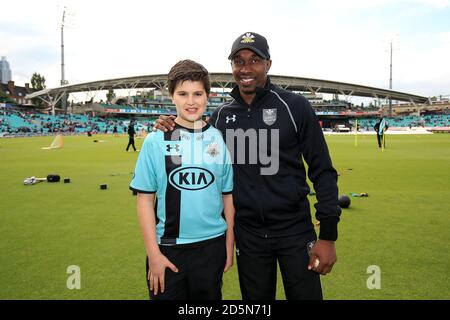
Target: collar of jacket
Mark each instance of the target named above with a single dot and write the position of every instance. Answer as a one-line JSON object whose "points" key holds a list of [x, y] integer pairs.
{"points": [[260, 92]]}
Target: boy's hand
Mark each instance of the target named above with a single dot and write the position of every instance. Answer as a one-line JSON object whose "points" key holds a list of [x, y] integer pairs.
{"points": [[156, 274], [228, 263], [164, 123]]}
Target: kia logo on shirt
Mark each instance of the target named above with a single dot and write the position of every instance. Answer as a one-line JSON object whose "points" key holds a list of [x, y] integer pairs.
{"points": [[191, 178]]}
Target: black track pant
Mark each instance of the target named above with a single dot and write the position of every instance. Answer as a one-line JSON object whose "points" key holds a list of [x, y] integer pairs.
{"points": [[257, 259], [380, 140], [131, 143], [200, 270]]}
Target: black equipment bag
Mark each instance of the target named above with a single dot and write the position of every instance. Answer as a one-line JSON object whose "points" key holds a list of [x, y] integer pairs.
{"points": [[53, 178]]}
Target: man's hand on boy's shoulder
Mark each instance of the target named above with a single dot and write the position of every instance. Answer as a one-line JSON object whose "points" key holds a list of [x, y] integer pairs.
{"points": [[164, 123]]}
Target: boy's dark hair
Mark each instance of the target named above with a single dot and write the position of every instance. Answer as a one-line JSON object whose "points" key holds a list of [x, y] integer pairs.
{"points": [[187, 70]]}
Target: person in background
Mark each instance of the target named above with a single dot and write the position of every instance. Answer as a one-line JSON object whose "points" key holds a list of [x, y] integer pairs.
{"points": [[131, 134], [380, 127]]}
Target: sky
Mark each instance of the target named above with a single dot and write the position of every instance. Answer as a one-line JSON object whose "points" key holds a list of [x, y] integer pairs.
{"points": [[345, 40]]}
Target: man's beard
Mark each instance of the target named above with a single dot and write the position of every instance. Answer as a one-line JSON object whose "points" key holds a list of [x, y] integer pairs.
{"points": [[248, 91]]}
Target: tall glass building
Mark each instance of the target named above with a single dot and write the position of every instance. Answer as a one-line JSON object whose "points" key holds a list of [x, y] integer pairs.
{"points": [[5, 71]]}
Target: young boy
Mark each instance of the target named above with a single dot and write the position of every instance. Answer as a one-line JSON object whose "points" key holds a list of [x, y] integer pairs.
{"points": [[184, 181]]}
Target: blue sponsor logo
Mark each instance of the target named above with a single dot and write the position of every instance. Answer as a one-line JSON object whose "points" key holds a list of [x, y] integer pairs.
{"points": [[191, 178]]}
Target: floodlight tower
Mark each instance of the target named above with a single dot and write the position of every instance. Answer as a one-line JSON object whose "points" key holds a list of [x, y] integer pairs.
{"points": [[390, 83], [63, 80]]}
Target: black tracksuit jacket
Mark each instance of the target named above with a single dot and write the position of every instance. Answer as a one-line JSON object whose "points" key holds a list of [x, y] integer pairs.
{"points": [[277, 205]]}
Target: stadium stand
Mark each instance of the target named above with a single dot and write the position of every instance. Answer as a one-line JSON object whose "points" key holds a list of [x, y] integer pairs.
{"points": [[409, 121], [29, 123], [17, 123]]}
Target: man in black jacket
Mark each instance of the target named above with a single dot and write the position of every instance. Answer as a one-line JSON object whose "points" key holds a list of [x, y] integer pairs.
{"points": [[269, 132], [380, 127], [131, 133]]}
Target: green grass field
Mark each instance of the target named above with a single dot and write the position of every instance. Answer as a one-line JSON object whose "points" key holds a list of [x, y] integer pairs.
{"points": [[403, 227]]}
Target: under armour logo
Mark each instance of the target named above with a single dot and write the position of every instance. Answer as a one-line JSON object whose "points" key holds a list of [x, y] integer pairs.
{"points": [[170, 147], [233, 118]]}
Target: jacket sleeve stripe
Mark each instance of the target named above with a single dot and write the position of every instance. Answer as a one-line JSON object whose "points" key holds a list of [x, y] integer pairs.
{"points": [[288, 110]]}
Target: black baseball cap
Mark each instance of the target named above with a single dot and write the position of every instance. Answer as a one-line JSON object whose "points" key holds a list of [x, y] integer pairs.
{"points": [[252, 41]]}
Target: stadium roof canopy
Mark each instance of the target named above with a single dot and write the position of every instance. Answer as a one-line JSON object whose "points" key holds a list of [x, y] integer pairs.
{"points": [[225, 80]]}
